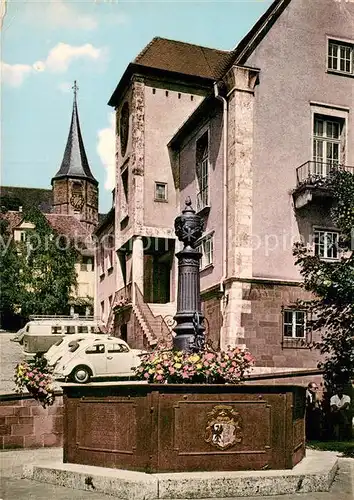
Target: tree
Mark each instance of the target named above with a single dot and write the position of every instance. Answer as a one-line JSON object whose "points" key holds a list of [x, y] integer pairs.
{"points": [[48, 275], [10, 291], [332, 284]]}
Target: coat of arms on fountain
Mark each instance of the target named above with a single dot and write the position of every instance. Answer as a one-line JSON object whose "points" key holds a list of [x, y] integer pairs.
{"points": [[224, 427], [189, 226]]}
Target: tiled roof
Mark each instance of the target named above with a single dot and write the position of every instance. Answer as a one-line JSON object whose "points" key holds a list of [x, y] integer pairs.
{"points": [[13, 197], [181, 57], [75, 163], [67, 225], [13, 218]]}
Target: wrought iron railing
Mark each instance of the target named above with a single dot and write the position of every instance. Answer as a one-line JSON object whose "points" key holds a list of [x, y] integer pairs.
{"points": [[316, 173]]}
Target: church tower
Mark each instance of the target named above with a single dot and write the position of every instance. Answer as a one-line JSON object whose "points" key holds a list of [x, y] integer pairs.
{"points": [[75, 190]]}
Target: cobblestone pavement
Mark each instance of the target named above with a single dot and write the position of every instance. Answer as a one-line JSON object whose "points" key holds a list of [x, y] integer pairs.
{"points": [[15, 488], [10, 355]]}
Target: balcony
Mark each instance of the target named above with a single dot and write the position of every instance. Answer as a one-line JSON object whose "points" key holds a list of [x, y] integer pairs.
{"points": [[312, 181]]}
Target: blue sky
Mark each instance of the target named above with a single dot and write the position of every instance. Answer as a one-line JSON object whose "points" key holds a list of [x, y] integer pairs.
{"points": [[47, 44]]}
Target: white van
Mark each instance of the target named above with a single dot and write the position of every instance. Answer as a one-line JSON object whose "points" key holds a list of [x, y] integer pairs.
{"points": [[42, 332]]}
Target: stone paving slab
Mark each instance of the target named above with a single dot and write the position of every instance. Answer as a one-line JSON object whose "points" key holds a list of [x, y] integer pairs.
{"points": [[315, 473]]}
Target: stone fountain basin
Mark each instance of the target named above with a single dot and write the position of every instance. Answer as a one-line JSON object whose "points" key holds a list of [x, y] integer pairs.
{"points": [[155, 428]]}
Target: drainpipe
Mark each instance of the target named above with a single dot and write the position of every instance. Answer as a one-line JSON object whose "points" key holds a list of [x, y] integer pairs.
{"points": [[224, 101]]}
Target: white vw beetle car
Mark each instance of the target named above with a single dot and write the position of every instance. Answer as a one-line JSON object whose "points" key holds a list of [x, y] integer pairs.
{"points": [[110, 357], [66, 344]]}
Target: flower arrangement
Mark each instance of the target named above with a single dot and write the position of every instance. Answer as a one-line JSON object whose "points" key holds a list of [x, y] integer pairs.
{"points": [[213, 367], [122, 302], [36, 377]]}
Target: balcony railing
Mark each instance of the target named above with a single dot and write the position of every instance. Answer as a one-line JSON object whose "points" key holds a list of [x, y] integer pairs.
{"points": [[315, 173], [203, 199]]}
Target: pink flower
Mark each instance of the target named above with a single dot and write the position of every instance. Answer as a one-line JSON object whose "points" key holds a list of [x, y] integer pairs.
{"points": [[172, 370], [159, 377], [206, 364], [146, 375], [209, 356]]}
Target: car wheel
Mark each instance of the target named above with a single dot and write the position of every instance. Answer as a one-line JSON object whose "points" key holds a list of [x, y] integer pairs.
{"points": [[81, 375]]}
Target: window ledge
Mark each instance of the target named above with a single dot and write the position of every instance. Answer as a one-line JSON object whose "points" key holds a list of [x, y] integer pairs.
{"points": [[204, 211], [160, 201], [209, 266], [294, 343], [339, 73]]}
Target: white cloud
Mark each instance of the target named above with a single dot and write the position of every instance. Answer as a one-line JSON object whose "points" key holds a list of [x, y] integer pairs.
{"points": [[63, 14], [14, 74], [62, 55], [106, 150], [58, 60]]}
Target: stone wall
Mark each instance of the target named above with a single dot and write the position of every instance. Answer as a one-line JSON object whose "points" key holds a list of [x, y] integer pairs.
{"points": [[24, 423], [212, 313], [263, 327]]}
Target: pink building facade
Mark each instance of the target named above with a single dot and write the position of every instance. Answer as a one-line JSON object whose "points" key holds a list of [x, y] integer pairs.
{"points": [[246, 137]]}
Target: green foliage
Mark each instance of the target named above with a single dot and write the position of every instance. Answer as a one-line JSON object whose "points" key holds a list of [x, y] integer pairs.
{"points": [[48, 268], [332, 284], [38, 275], [9, 273]]}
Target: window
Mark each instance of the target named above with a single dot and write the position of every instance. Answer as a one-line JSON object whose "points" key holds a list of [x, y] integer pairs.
{"points": [[55, 329], [340, 57], [110, 259], [102, 309], [95, 349], [82, 329], [125, 183], [110, 298], [86, 264], [326, 244], [202, 168], [69, 330], [23, 236], [160, 191], [102, 258], [294, 324], [206, 248], [327, 139], [118, 348]]}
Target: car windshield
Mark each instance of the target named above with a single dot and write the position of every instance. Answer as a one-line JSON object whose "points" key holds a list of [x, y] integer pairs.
{"points": [[59, 342]]}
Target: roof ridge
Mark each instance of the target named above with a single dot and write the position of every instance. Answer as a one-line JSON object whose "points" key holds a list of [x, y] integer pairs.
{"points": [[203, 47], [194, 45], [144, 50]]}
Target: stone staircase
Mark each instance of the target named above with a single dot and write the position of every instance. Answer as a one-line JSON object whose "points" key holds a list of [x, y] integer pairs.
{"points": [[154, 326]]}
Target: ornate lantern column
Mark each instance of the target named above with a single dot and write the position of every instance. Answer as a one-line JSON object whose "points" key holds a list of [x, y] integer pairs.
{"points": [[189, 330]]}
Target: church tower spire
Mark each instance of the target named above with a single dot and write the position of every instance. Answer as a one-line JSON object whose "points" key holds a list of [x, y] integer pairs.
{"points": [[75, 189]]}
